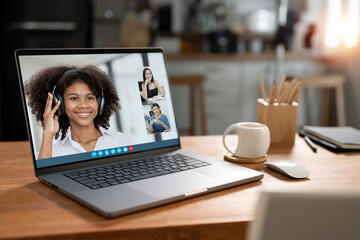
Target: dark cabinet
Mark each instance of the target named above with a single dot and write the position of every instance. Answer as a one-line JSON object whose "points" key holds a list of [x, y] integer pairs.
{"points": [[35, 24]]}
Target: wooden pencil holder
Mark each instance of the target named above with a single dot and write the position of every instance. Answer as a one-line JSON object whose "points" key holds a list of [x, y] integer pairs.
{"points": [[280, 119]]}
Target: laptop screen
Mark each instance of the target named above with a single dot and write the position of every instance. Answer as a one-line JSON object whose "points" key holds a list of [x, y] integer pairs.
{"points": [[87, 104]]}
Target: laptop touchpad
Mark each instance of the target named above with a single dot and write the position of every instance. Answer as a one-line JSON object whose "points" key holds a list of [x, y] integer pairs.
{"points": [[176, 184]]}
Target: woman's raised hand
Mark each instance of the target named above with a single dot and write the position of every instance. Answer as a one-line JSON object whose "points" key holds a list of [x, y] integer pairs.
{"points": [[51, 125], [51, 120]]}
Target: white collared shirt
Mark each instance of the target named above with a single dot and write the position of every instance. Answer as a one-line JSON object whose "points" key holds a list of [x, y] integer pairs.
{"points": [[108, 139]]}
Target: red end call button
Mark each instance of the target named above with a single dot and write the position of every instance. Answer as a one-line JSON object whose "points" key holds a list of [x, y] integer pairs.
{"points": [[131, 148]]}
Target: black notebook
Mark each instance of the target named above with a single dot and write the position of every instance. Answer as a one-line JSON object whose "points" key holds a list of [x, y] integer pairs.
{"points": [[342, 137]]}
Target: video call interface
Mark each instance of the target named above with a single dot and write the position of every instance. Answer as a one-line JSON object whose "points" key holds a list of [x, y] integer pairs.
{"points": [[145, 120]]}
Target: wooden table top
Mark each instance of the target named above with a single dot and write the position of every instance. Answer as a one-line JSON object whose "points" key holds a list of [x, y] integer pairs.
{"points": [[29, 209]]}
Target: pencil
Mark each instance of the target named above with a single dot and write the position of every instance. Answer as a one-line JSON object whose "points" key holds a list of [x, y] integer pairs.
{"points": [[293, 95], [292, 86], [283, 93], [297, 93], [272, 93], [263, 92], [281, 87]]}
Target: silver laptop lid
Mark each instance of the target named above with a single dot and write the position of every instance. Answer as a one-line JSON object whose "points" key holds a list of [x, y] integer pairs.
{"points": [[112, 78]]}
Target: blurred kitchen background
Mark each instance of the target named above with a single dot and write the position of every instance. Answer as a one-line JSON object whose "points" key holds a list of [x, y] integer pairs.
{"points": [[228, 43]]}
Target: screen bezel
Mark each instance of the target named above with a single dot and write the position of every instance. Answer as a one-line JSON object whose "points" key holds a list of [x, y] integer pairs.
{"points": [[74, 51]]}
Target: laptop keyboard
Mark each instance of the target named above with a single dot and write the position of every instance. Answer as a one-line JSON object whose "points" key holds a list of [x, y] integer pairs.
{"points": [[119, 173]]}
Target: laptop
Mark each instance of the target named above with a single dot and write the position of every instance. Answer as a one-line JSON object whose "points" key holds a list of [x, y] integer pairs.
{"points": [[134, 161]]}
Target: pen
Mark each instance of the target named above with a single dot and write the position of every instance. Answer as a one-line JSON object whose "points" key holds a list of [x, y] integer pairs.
{"points": [[310, 143]]}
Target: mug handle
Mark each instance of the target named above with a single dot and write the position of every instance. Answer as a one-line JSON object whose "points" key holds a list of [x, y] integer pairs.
{"points": [[227, 131]]}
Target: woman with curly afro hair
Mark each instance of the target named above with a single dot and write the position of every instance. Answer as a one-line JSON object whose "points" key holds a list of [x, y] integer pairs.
{"points": [[74, 106]]}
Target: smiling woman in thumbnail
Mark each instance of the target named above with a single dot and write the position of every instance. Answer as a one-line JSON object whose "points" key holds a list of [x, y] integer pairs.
{"points": [[158, 122], [150, 87], [74, 106]]}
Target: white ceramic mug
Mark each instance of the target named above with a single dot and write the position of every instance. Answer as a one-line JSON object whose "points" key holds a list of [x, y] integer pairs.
{"points": [[253, 139]]}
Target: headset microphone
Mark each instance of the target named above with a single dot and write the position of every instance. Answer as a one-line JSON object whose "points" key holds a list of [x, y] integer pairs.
{"points": [[56, 98]]}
